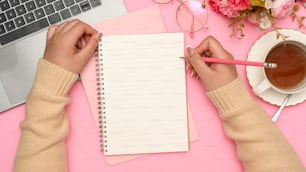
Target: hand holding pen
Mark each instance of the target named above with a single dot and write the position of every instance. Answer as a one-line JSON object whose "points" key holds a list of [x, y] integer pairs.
{"points": [[215, 75], [237, 62]]}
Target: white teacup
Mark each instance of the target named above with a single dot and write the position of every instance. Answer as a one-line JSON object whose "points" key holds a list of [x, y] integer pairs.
{"points": [[290, 75]]}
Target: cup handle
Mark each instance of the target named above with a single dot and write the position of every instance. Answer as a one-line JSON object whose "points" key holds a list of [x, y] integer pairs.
{"points": [[262, 87]]}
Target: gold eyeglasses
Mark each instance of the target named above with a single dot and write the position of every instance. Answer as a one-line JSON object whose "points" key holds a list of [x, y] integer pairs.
{"points": [[191, 15]]}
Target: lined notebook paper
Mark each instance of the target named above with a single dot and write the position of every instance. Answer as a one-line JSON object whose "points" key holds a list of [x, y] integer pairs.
{"points": [[143, 94]]}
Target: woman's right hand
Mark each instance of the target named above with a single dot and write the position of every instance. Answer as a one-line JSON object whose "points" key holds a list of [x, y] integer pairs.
{"points": [[213, 76]]}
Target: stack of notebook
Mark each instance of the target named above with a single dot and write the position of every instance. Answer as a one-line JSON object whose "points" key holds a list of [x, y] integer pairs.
{"points": [[139, 119]]}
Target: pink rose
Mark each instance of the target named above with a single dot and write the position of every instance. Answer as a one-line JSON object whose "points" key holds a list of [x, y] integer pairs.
{"points": [[282, 8], [239, 5], [228, 11], [221, 6], [214, 5]]}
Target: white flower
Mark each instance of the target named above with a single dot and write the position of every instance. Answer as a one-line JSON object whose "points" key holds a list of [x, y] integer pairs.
{"points": [[279, 3], [265, 23], [268, 4], [282, 8]]}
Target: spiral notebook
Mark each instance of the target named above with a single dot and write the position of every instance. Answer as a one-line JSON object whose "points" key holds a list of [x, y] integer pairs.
{"points": [[142, 94]]}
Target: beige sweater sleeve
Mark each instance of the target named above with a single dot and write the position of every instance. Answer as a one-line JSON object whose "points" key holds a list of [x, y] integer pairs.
{"points": [[42, 144], [260, 144], [261, 147]]}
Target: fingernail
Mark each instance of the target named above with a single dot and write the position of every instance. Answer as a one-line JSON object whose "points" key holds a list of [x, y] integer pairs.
{"points": [[192, 73], [187, 66], [188, 47], [190, 51], [97, 36]]}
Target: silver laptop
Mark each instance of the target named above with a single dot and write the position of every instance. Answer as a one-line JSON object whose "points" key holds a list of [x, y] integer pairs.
{"points": [[23, 26]]}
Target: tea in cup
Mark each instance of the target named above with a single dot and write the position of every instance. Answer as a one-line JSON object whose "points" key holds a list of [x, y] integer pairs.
{"points": [[289, 76]]}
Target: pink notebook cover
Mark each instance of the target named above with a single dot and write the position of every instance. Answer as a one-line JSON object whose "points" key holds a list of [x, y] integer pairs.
{"points": [[127, 24]]}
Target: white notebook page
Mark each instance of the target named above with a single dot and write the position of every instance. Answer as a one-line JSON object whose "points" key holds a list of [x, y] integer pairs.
{"points": [[144, 93]]}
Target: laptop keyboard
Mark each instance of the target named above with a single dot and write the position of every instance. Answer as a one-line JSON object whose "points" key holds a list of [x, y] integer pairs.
{"points": [[19, 18]]}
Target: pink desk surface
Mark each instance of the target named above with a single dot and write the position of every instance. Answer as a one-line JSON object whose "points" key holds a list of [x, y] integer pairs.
{"points": [[212, 153]]}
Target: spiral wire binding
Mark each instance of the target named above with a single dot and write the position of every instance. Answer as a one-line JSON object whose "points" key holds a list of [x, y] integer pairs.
{"points": [[101, 99]]}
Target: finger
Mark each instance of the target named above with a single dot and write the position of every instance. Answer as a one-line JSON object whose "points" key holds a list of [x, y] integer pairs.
{"points": [[52, 29], [197, 63], [193, 73], [84, 40], [79, 30], [80, 43], [188, 65], [61, 26], [66, 28], [87, 38], [214, 47], [90, 47]]}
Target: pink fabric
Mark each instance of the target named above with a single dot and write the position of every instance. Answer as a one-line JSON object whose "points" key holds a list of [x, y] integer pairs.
{"points": [[213, 152]]}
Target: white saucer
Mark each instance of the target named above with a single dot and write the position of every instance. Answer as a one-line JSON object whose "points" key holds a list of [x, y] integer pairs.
{"points": [[258, 53]]}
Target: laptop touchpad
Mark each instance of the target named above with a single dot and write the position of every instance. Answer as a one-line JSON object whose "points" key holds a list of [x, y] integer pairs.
{"points": [[4, 101]]}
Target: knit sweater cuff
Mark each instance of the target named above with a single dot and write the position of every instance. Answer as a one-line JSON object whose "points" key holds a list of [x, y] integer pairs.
{"points": [[52, 79], [230, 97]]}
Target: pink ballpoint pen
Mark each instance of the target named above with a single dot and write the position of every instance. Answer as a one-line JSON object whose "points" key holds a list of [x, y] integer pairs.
{"points": [[237, 62]]}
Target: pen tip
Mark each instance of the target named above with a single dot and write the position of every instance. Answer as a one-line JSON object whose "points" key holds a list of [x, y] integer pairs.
{"points": [[270, 65], [273, 65]]}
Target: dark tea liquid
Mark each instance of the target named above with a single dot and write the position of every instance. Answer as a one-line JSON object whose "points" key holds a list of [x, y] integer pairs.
{"points": [[291, 65]]}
